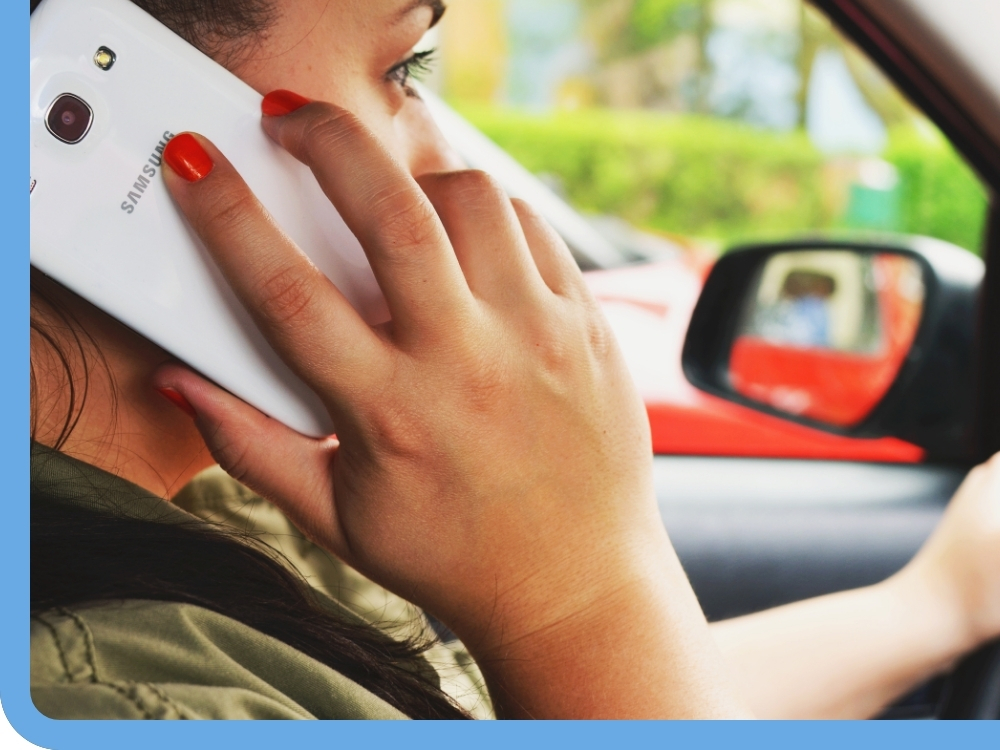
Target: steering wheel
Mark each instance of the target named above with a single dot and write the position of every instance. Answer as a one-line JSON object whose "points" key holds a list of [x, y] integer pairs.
{"points": [[973, 689]]}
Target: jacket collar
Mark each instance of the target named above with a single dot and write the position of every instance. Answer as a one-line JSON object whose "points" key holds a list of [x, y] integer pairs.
{"points": [[58, 477]]}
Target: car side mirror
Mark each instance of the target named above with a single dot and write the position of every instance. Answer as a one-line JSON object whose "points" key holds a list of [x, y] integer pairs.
{"points": [[864, 339]]}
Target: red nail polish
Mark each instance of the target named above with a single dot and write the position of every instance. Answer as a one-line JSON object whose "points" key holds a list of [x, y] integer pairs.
{"points": [[281, 102], [187, 158], [178, 400]]}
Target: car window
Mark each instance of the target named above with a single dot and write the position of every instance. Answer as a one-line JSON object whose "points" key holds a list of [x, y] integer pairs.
{"points": [[679, 128], [709, 122]]}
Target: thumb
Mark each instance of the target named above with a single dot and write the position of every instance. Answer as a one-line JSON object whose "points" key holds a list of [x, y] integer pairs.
{"points": [[291, 470]]}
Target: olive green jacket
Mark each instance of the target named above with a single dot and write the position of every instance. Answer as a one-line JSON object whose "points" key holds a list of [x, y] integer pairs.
{"points": [[160, 660]]}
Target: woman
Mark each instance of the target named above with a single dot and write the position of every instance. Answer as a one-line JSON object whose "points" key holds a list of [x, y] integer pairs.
{"points": [[492, 462]]}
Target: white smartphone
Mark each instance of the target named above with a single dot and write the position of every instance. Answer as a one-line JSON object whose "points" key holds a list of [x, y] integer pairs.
{"points": [[110, 85]]}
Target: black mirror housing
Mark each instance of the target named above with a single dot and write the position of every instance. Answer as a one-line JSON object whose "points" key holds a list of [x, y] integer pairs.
{"points": [[930, 401]]}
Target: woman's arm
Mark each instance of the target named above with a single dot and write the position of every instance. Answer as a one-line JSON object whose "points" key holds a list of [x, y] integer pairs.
{"points": [[849, 655], [492, 462], [844, 656]]}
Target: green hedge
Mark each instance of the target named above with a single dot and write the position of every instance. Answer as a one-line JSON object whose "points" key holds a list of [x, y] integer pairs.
{"points": [[940, 195], [723, 180]]}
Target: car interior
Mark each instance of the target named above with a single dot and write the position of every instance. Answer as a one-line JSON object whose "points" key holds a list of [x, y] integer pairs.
{"points": [[754, 532], [764, 533]]}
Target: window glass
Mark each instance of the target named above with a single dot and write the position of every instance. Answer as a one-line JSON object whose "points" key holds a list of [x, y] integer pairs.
{"points": [[703, 123]]}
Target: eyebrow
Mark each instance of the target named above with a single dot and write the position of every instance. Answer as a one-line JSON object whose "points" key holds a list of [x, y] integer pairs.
{"points": [[437, 6]]}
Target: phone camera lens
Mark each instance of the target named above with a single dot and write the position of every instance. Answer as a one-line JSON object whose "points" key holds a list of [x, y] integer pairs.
{"points": [[69, 118]]}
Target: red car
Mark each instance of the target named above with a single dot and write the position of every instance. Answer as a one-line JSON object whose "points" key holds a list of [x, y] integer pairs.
{"points": [[649, 307]]}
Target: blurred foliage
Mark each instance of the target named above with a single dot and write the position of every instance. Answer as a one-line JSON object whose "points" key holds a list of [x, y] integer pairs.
{"points": [[722, 180], [649, 53], [940, 196], [627, 27]]}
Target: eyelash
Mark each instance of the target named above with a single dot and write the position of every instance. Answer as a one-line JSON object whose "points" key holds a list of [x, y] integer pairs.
{"points": [[415, 66]]}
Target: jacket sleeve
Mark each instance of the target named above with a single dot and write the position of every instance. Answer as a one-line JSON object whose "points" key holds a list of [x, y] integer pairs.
{"points": [[126, 700], [164, 660]]}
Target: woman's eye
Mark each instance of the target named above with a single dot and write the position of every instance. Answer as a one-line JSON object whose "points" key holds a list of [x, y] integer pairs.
{"points": [[416, 66]]}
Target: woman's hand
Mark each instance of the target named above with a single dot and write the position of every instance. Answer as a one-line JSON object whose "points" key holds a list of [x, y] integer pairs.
{"points": [[960, 563], [482, 433], [492, 461]]}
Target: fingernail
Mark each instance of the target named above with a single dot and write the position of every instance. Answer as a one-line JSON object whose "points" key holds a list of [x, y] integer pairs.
{"points": [[178, 400], [281, 102], [187, 158]]}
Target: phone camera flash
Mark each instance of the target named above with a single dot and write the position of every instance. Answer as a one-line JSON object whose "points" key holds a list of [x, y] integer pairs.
{"points": [[104, 58]]}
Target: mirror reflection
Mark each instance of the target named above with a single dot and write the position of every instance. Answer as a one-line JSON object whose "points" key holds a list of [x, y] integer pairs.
{"points": [[824, 332]]}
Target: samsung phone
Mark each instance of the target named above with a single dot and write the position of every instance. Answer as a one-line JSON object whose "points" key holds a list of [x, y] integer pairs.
{"points": [[110, 86]]}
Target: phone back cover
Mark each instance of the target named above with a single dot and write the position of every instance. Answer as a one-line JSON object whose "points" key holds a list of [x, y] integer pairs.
{"points": [[143, 265]]}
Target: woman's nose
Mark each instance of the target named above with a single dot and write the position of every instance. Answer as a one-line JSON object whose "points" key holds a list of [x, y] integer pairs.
{"points": [[427, 149]]}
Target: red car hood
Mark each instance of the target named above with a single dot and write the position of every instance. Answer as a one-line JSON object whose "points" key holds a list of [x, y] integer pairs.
{"points": [[649, 307]]}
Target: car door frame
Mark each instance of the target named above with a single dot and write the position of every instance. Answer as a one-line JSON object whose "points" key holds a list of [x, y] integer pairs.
{"points": [[931, 94]]}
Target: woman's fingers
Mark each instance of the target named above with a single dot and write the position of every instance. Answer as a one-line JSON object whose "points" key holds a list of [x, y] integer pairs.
{"points": [[302, 314], [552, 258], [258, 451], [486, 235], [396, 224]]}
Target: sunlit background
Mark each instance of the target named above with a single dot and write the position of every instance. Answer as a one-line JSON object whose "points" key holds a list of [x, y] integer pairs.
{"points": [[703, 122]]}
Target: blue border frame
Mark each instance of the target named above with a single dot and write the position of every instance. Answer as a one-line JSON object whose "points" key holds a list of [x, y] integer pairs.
{"points": [[14, 411]]}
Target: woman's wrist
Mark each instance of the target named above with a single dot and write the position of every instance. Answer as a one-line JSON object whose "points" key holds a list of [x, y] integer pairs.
{"points": [[638, 632], [569, 582]]}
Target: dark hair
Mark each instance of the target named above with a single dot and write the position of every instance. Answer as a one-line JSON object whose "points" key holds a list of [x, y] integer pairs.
{"points": [[80, 556], [66, 340], [223, 29]]}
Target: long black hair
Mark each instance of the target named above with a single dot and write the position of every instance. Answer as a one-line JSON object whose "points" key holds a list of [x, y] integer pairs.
{"points": [[82, 556]]}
